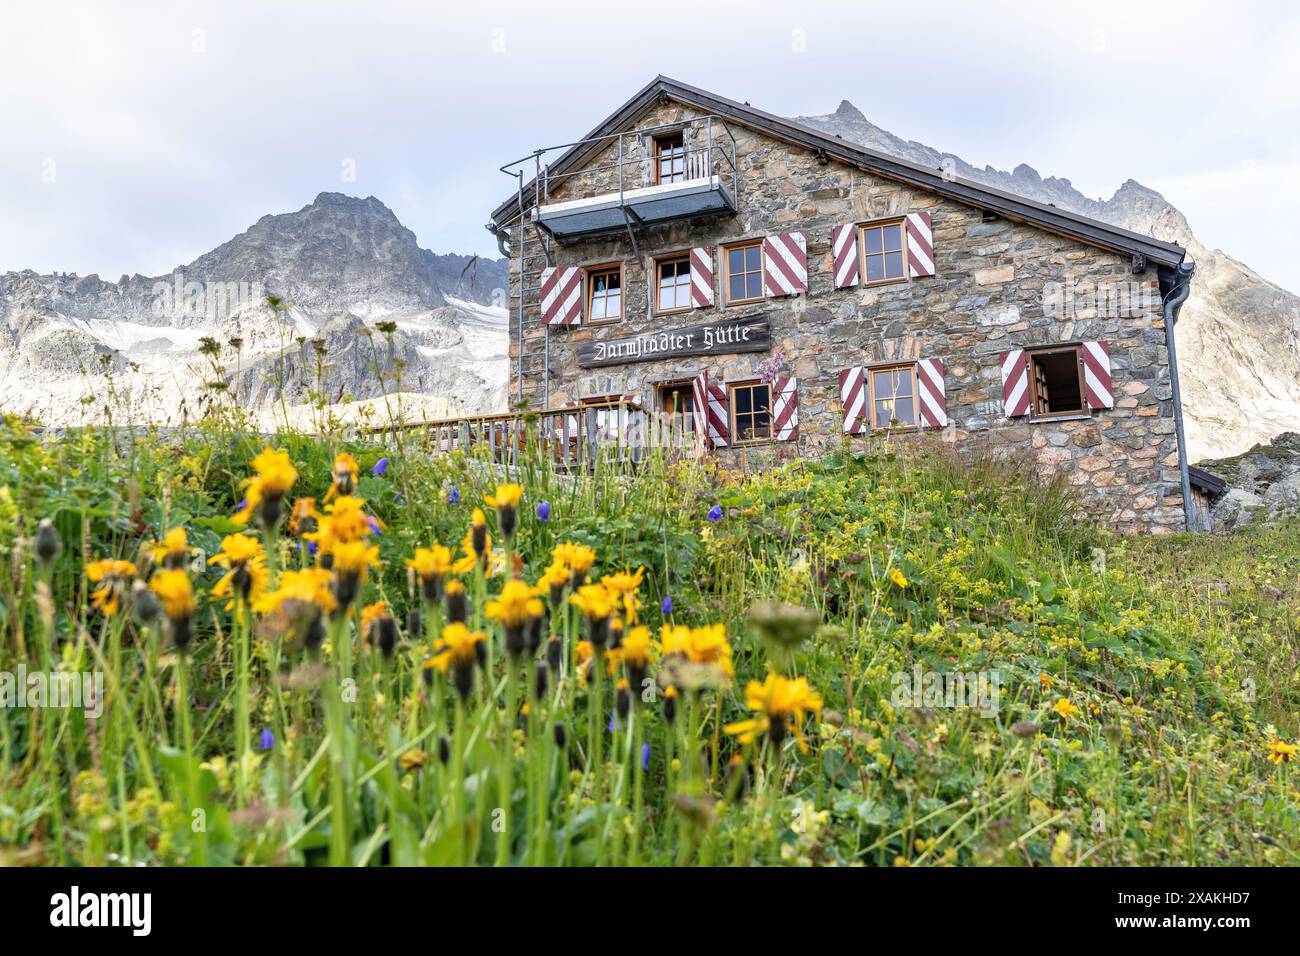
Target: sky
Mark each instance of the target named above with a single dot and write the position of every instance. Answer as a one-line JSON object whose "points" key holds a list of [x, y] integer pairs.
{"points": [[136, 136]]}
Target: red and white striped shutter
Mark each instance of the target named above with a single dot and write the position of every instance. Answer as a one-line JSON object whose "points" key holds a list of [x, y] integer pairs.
{"points": [[934, 403], [853, 396], [785, 409], [700, 407], [1098, 387], [1015, 383], [785, 264], [701, 277], [562, 296], [719, 417], [920, 245], [844, 249]]}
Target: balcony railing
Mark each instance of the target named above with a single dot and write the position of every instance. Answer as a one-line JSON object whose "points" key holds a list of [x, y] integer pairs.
{"points": [[573, 438], [628, 190]]}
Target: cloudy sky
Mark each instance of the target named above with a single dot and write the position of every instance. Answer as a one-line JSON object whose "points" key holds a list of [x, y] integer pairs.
{"points": [[136, 136]]}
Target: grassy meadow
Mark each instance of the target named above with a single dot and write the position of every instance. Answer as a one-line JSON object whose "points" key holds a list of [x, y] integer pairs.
{"points": [[347, 651]]}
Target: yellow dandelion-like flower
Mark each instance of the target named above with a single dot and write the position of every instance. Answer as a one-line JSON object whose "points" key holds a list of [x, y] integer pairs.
{"points": [[516, 605], [174, 550], [780, 705], [899, 579], [1280, 752], [1065, 708], [111, 574], [344, 474]]}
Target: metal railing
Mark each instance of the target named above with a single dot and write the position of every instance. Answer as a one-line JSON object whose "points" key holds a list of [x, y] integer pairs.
{"points": [[574, 438], [715, 156]]}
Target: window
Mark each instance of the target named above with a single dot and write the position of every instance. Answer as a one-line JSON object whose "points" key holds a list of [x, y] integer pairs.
{"points": [[670, 158], [1056, 382], [604, 294], [676, 421], [893, 396], [744, 279], [674, 287], [882, 252], [751, 412]]}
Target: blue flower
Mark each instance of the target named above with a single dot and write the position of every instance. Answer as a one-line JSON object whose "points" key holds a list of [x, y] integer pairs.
{"points": [[242, 505], [667, 606], [267, 740], [611, 722], [311, 548], [377, 531], [381, 468], [544, 511], [715, 513], [453, 495], [645, 756]]}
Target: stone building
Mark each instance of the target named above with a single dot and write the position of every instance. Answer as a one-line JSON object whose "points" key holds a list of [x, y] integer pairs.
{"points": [[776, 292]]}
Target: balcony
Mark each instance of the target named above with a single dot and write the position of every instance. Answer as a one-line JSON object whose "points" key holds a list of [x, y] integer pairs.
{"points": [[641, 177]]}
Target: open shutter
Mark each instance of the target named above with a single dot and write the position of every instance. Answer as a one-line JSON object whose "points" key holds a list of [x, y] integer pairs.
{"points": [[844, 248], [929, 383], [785, 409], [920, 245], [562, 296], [1015, 383], [853, 397], [785, 264], [719, 417], [701, 277], [1098, 388], [700, 407]]}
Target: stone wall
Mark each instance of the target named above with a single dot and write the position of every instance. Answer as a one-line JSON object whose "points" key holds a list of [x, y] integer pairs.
{"points": [[998, 286]]}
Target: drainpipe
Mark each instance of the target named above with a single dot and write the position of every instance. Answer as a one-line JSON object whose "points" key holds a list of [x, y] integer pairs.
{"points": [[1173, 303], [503, 244]]}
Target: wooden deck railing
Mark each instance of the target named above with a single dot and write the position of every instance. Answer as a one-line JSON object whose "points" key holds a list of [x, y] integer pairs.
{"points": [[573, 437]]}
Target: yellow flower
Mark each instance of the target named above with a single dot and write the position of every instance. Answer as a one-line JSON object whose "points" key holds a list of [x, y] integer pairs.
{"points": [[1280, 752], [582, 655], [246, 579], [431, 562], [709, 645], [1065, 708], [345, 521], [623, 586], [345, 473], [507, 496], [111, 574], [175, 593], [578, 558], [516, 605], [275, 475], [237, 549], [304, 516], [354, 559], [308, 586], [594, 601], [553, 581], [458, 647], [174, 550], [1045, 681], [780, 704], [898, 577]]}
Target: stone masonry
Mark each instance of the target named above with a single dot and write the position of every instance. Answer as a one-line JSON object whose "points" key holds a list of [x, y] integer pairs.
{"points": [[993, 290]]}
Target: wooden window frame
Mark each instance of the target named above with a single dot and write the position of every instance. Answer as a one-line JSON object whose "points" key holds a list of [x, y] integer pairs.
{"points": [[726, 271], [673, 257], [679, 138], [736, 441], [1083, 411], [862, 228], [871, 371], [591, 272]]}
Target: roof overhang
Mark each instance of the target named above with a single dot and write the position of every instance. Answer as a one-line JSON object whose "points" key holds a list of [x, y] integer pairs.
{"points": [[1092, 232]]}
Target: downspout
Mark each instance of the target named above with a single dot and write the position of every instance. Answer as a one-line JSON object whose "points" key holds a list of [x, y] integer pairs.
{"points": [[1173, 303], [503, 244]]}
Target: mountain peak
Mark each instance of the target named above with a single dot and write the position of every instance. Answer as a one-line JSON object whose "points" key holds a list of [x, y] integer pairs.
{"points": [[848, 111]]}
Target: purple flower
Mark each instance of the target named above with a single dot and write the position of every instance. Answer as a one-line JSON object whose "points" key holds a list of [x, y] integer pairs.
{"points": [[377, 531], [715, 513], [311, 548], [611, 722], [267, 740], [453, 495], [544, 511], [667, 606], [645, 756], [242, 505], [381, 468]]}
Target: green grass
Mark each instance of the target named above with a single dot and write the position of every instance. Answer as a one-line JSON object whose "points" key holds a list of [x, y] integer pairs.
{"points": [[1175, 658]]}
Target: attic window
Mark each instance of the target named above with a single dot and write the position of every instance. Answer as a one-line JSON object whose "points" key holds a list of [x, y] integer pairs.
{"points": [[670, 158], [1056, 380]]}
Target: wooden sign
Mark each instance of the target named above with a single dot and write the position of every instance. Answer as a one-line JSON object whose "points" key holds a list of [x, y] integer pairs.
{"points": [[750, 333]]}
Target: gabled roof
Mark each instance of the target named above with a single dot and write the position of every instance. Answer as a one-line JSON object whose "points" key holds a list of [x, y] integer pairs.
{"points": [[1090, 231]]}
